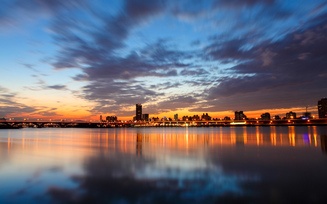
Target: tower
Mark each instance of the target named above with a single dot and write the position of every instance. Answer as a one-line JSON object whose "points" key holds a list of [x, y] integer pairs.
{"points": [[138, 112], [322, 108]]}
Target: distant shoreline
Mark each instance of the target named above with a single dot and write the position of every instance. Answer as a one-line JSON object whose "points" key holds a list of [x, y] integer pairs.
{"points": [[199, 126]]}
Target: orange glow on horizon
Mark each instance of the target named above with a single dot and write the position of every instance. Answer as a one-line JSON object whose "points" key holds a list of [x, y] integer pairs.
{"points": [[84, 114]]}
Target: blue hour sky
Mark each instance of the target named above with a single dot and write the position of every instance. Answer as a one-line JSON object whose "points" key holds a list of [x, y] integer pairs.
{"points": [[80, 58]]}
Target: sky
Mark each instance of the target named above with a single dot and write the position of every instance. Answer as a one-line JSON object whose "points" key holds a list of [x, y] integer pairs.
{"points": [[79, 59]]}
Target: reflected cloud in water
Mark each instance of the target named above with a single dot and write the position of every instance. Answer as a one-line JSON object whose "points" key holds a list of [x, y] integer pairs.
{"points": [[166, 165]]}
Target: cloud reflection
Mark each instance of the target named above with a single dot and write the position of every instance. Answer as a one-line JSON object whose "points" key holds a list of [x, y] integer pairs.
{"points": [[117, 177]]}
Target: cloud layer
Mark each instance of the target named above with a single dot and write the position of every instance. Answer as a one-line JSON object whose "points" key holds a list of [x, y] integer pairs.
{"points": [[230, 55]]}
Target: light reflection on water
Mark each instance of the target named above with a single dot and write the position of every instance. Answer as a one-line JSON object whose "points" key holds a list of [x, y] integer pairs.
{"points": [[163, 165]]}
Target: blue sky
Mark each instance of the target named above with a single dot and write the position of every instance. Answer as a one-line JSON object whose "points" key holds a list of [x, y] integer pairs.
{"points": [[80, 59]]}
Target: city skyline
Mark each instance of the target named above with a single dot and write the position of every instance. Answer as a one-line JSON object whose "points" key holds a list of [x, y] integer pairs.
{"points": [[81, 59]]}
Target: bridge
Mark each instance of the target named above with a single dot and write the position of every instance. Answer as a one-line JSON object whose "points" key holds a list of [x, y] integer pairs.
{"points": [[197, 123]]}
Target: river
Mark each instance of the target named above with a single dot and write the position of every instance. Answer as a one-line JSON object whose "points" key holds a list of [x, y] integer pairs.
{"points": [[164, 165]]}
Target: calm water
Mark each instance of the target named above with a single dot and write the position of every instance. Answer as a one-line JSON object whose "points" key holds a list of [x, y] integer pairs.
{"points": [[164, 165]]}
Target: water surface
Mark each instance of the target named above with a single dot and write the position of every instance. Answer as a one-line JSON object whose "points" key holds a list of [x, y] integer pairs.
{"points": [[164, 165]]}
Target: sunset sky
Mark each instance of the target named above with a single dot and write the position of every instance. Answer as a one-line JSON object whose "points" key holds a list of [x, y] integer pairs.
{"points": [[79, 59]]}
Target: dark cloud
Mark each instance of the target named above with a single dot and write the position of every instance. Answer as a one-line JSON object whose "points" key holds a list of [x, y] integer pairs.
{"points": [[242, 3], [101, 65], [194, 72], [50, 112], [57, 87], [266, 60], [228, 51], [287, 73], [112, 96], [144, 8], [8, 104], [15, 11], [173, 103]]}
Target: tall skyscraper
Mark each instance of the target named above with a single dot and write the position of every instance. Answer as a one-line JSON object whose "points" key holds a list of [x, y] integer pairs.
{"points": [[322, 108], [176, 117], [138, 112]]}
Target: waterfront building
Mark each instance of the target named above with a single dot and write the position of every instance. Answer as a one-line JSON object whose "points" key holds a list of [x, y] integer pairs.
{"points": [[111, 118], [195, 117], [322, 108], [307, 115], [205, 117], [176, 117], [138, 112], [153, 119], [226, 118], [239, 115], [100, 118], [276, 117], [145, 117], [265, 116], [290, 115]]}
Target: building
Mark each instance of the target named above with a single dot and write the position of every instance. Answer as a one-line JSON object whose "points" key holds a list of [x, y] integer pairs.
{"points": [[195, 117], [322, 108], [100, 118], [205, 117], [111, 118], [306, 115], [138, 112], [153, 119], [239, 115], [145, 117], [226, 118], [191, 118], [176, 117], [276, 117], [290, 115], [265, 116]]}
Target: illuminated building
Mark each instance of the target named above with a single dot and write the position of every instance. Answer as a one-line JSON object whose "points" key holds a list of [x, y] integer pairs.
{"points": [[190, 118], [138, 112], [111, 118], [291, 115], [153, 119], [176, 117], [239, 115], [322, 108], [265, 116], [205, 117]]}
